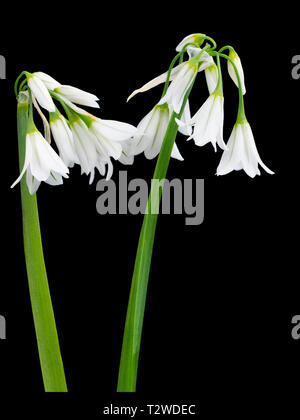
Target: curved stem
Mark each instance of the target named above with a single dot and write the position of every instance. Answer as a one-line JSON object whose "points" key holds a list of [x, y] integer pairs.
{"points": [[177, 56], [241, 109], [212, 41], [137, 299], [219, 86], [169, 73], [43, 316], [17, 81]]}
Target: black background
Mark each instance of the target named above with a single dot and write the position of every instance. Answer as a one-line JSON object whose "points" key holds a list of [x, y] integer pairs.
{"points": [[221, 295]]}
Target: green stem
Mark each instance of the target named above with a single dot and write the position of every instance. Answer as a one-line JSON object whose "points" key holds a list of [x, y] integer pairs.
{"points": [[241, 109], [43, 316], [137, 299]]}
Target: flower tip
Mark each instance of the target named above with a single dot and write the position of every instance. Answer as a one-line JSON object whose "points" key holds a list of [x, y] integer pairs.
{"points": [[131, 95]]}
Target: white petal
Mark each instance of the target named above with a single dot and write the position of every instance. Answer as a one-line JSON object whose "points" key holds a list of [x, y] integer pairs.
{"points": [[44, 158], [175, 153], [225, 165], [109, 170], [32, 183], [28, 157], [185, 125], [178, 88], [64, 140], [41, 93], [113, 130], [157, 81], [188, 39], [157, 132], [141, 140], [240, 71], [252, 148], [211, 75], [85, 146], [78, 96], [48, 81], [54, 179]]}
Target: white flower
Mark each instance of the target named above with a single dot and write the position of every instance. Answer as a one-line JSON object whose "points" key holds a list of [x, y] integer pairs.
{"points": [[179, 87], [110, 135], [85, 146], [237, 61], [151, 133], [211, 75], [205, 59], [67, 92], [63, 138], [48, 81], [193, 38], [185, 127], [40, 92], [41, 163], [209, 122], [96, 141], [241, 153], [78, 96]]}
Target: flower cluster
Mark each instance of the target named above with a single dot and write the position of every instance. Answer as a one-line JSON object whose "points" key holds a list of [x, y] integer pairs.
{"points": [[91, 142], [80, 137], [206, 126]]}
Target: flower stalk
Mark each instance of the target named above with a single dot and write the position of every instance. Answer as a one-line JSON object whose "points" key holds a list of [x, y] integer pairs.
{"points": [[138, 293], [43, 316]]}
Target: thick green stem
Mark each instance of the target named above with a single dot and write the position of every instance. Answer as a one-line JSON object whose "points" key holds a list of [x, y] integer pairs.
{"points": [[44, 322], [137, 299]]}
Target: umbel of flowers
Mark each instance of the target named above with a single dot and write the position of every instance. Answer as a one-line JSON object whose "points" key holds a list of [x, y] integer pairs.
{"points": [[80, 137], [206, 126]]}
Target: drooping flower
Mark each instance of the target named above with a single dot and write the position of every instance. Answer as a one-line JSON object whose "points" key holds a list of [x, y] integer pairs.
{"points": [[110, 135], [78, 96], [208, 122], [241, 153], [96, 141], [151, 133], [206, 61], [84, 145], [81, 138], [193, 38], [237, 61], [41, 163], [48, 81], [179, 86], [71, 93], [40, 92], [63, 138], [211, 75]]}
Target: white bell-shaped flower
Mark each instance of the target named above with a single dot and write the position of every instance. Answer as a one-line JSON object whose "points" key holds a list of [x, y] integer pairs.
{"points": [[78, 96], [40, 92], [237, 61], [241, 153], [179, 86], [193, 38], [208, 122], [63, 138], [211, 75], [151, 133], [41, 163]]}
